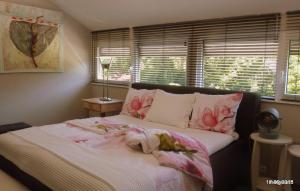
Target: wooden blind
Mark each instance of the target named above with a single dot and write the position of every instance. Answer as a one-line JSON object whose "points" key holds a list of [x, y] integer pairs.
{"points": [[114, 45], [233, 53], [160, 54], [293, 69]]}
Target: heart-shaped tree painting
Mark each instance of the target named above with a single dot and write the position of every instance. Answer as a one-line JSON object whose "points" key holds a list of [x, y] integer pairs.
{"points": [[32, 36]]}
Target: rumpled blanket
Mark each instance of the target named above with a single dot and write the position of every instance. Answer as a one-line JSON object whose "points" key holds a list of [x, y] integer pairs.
{"points": [[171, 149], [174, 150]]}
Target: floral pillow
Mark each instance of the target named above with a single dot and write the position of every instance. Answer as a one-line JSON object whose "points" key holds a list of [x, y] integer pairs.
{"points": [[215, 112], [138, 102]]}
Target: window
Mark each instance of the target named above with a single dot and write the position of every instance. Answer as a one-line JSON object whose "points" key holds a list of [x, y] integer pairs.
{"points": [[241, 54], [112, 47], [235, 53], [160, 55], [292, 83], [293, 77], [258, 53]]}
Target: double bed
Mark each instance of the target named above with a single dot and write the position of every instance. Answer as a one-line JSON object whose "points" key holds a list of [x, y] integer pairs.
{"points": [[46, 169]]}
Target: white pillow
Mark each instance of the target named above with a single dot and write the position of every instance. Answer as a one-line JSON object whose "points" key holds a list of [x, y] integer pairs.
{"points": [[171, 109], [138, 102]]}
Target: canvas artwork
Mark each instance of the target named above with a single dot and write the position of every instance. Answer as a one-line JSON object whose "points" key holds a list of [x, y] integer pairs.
{"points": [[30, 39]]}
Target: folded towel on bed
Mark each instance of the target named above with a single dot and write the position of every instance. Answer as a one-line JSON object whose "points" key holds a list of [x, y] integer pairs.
{"points": [[174, 150], [148, 140]]}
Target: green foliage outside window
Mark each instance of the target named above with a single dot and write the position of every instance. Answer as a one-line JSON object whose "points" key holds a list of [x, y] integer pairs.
{"points": [[247, 73], [169, 70], [119, 69], [238, 73], [293, 84]]}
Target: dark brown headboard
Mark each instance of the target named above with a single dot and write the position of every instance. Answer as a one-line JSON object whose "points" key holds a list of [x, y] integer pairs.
{"points": [[249, 107]]}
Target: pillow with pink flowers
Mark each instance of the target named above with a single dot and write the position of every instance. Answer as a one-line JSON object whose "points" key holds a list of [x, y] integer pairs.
{"points": [[138, 102], [215, 112]]}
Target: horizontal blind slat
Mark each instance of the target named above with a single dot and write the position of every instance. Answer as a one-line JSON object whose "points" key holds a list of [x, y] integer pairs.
{"points": [[293, 73], [115, 45], [213, 52]]}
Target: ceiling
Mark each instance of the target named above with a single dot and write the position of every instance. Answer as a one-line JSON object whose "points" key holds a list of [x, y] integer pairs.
{"points": [[109, 14]]}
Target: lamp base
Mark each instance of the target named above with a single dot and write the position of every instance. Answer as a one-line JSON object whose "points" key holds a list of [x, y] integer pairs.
{"points": [[105, 99]]}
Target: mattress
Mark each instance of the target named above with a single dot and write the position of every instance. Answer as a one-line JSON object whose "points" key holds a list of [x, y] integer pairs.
{"points": [[60, 174]]}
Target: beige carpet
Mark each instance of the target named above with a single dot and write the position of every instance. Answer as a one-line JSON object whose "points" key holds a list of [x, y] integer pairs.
{"points": [[7, 183]]}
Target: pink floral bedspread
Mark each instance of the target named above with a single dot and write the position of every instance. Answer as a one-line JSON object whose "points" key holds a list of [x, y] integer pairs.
{"points": [[174, 150], [171, 149]]}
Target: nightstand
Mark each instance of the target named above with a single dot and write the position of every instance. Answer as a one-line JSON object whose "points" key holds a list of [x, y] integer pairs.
{"points": [[293, 151], [261, 182], [94, 104]]}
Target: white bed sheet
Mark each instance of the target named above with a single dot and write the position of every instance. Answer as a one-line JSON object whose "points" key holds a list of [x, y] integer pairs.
{"points": [[213, 141]]}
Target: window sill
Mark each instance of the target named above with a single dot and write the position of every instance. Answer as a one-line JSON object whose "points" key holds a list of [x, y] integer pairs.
{"points": [[281, 102], [126, 86], [121, 85]]}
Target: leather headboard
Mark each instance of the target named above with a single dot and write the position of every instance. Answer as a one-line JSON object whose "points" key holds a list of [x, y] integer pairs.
{"points": [[248, 109]]}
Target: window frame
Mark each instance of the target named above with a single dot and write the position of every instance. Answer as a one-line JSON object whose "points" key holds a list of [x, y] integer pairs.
{"points": [[283, 64], [285, 95], [263, 57], [281, 76], [96, 70]]}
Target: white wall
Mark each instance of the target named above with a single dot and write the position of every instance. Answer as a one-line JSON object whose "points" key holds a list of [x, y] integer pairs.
{"points": [[104, 14], [290, 114], [44, 98]]}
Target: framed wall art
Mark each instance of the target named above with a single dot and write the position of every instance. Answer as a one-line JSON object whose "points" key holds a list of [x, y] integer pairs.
{"points": [[30, 39]]}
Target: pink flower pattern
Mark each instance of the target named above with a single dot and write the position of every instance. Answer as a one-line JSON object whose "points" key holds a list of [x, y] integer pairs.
{"points": [[195, 164], [209, 118], [191, 168], [92, 141], [190, 142], [138, 105], [113, 129], [219, 117], [80, 140]]}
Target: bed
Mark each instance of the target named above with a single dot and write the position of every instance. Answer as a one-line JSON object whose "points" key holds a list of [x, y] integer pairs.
{"points": [[229, 158]]}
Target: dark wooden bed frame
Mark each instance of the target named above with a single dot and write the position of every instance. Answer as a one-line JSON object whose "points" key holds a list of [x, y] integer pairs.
{"points": [[231, 165]]}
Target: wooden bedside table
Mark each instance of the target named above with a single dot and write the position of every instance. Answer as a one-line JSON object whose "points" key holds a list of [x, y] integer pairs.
{"points": [[94, 104], [261, 182]]}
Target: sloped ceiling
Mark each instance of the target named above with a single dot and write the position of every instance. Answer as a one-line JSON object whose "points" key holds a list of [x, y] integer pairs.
{"points": [[109, 14]]}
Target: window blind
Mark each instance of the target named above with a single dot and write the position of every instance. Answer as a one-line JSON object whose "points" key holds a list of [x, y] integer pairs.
{"points": [[160, 54], [241, 54], [233, 53], [293, 69], [114, 46]]}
